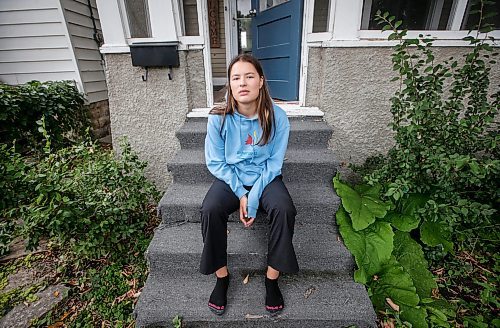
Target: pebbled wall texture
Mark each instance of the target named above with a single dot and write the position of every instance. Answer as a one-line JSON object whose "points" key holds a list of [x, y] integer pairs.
{"points": [[149, 112], [352, 87]]}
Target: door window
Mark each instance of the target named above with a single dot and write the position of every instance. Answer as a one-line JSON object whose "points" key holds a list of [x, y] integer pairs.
{"points": [[244, 19], [266, 4]]}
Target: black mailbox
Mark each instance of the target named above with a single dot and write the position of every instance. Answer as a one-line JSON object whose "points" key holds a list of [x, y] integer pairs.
{"points": [[154, 54]]}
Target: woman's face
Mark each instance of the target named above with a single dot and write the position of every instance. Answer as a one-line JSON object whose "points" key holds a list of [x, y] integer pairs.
{"points": [[245, 82]]}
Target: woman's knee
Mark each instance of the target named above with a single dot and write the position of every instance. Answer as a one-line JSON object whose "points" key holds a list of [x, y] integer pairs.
{"points": [[284, 209]]}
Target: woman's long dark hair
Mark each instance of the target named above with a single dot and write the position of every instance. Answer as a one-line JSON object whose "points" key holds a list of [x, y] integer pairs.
{"points": [[265, 110]]}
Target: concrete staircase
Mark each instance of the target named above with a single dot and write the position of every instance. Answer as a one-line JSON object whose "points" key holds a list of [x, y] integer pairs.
{"points": [[323, 294]]}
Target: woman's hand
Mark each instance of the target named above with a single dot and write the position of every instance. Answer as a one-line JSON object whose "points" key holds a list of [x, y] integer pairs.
{"points": [[247, 222]]}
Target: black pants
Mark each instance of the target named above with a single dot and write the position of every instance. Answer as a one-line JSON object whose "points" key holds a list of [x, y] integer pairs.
{"points": [[220, 202]]}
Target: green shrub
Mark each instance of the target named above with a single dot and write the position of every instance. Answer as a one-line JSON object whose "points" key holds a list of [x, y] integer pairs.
{"points": [[436, 192], [87, 199], [446, 142], [22, 106]]}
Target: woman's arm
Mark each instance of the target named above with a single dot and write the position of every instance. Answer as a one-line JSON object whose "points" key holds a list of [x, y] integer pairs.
{"points": [[215, 157], [272, 166]]}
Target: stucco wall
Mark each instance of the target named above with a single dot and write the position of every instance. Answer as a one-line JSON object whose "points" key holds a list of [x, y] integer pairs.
{"points": [[149, 113], [351, 86]]}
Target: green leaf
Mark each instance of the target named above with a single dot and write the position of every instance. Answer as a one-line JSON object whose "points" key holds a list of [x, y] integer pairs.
{"points": [[362, 203], [404, 218], [445, 307], [371, 247], [410, 255], [434, 234], [394, 283], [414, 315]]}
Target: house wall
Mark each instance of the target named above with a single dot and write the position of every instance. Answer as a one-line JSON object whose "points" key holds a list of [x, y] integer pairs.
{"points": [[149, 113], [89, 61], [351, 86], [33, 42]]}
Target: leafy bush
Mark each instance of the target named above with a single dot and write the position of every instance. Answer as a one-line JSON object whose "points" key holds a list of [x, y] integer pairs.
{"points": [[23, 106], [437, 190], [87, 199], [446, 142], [12, 170]]}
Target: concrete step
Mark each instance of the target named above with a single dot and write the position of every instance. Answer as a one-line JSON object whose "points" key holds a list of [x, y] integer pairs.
{"points": [[315, 203], [318, 248], [303, 134], [310, 301], [313, 165]]}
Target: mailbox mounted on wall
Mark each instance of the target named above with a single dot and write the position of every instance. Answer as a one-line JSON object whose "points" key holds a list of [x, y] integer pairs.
{"points": [[155, 54]]}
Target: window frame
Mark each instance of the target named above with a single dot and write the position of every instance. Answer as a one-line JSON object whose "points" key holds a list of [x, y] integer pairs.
{"points": [[346, 21]]}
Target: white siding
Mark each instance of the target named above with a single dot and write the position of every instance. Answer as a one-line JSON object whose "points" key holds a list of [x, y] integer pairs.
{"points": [[33, 43], [81, 31]]}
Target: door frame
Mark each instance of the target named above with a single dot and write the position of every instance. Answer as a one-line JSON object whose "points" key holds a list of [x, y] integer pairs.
{"points": [[232, 43]]}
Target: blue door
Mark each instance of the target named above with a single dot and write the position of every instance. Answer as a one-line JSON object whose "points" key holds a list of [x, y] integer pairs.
{"points": [[276, 36]]}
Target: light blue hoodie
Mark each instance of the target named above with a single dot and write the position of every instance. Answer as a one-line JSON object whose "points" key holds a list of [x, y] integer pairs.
{"points": [[233, 156]]}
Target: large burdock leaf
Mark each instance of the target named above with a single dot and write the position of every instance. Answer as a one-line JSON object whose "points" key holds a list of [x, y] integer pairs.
{"points": [[394, 283], [371, 247], [414, 315], [410, 255], [362, 203], [404, 217], [435, 233]]}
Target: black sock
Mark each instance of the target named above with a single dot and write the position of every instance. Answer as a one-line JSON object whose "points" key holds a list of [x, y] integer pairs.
{"points": [[274, 299], [218, 296]]}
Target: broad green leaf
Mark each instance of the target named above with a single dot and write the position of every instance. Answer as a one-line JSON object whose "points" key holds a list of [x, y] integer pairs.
{"points": [[435, 233], [404, 217], [410, 255], [361, 203], [443, 306], [394, 283], [371, 247], [414, 315], [402, 222]]}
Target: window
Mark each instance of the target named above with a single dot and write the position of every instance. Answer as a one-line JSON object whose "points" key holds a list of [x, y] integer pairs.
{"points": [[416, 15], [321, 13], [190, 14], [138, 18], [471, 18], [266, 4]]}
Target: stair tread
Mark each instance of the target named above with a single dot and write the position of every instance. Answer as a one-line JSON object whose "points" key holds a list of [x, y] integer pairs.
{"points": [[317, 246], [295, 125], [322, 155], [310, 301], [193, 194]]}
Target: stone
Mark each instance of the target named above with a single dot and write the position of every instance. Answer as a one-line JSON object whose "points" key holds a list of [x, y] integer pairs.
{"points": [[22, 315]]}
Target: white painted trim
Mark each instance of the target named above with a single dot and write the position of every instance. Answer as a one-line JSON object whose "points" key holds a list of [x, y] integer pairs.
{"points": [[365, 15], [315, 37], [291, 110], [191, 40], [124, 18], [79, 82], [331, 16], [178, 17], [441, 35], [231, 30], [347, 19], [307, 19], [204, 32], [385, 43], [114, 49], [458, 15], [111, 23], [162, 20]]}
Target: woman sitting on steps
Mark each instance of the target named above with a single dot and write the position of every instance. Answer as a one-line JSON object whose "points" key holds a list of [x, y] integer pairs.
{"points": [[244, 149]]}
